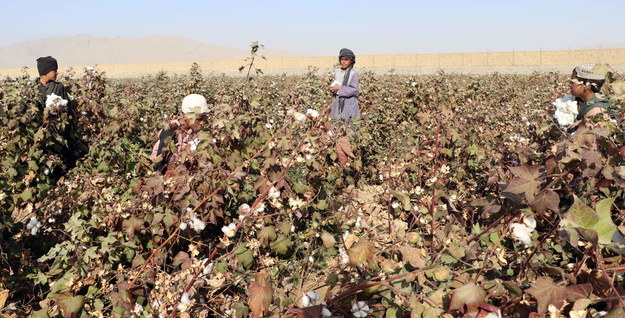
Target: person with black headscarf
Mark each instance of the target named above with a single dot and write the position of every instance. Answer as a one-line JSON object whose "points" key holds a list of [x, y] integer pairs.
{"points": [[345, 88], [53, 95], [46, 84]]}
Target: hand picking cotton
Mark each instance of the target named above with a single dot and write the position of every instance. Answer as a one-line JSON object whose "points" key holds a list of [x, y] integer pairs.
{"points": [[566, 110]]}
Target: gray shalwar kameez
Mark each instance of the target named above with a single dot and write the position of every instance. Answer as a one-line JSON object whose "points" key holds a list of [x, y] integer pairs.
{"points": [[350, 91]]}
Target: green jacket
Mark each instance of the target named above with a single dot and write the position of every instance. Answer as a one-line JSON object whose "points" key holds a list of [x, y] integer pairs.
{"points": [[594, 102]]}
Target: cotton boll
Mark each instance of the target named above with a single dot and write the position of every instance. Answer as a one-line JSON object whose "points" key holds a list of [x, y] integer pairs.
{"points": [[325, 312], [138, 309], [360, 309], [196, 224], [244, 209], [32, 223], [184, 301], [273, 193], [566, 110], [208, 269], [299, 117], [260, 208], [343, 255], [230, 230], [312, 113], [358, 219], [54, 100], [522, 233], [530, 222], [193, 144], [183, 226], [312, 296]]}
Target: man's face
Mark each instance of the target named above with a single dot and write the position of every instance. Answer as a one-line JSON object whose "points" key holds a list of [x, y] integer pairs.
{"points": [[576, 85], [52, 75], [345, 62]]}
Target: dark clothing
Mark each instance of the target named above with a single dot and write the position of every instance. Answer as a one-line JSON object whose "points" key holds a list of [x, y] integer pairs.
{"points": [[55, 88], [73, 148], [594, 102]]}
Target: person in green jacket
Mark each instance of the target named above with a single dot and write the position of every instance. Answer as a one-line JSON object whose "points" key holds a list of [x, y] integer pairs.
{"points": [[585, 86]]}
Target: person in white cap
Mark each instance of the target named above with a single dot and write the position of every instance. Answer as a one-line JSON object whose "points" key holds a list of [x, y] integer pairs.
{"points": [[182, 131], [585, 83]]}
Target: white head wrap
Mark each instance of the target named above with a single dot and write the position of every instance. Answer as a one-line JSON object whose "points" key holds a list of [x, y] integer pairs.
{"points": [[586, 71], [194, 104]]}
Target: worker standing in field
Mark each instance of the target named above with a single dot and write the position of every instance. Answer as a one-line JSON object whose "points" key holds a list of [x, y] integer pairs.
{"points": [[345, 88], [59, 113], [181, 131], [48, 69]]}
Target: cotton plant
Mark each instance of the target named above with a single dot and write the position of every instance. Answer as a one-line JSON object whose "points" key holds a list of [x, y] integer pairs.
{"points": [[566, 110]]}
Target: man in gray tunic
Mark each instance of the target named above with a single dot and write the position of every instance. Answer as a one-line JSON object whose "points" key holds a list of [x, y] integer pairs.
{"points": [[345, 88]]}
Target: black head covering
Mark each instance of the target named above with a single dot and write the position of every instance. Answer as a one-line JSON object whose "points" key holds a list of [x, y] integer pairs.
{"points": [[347, 53], [46, 64]]}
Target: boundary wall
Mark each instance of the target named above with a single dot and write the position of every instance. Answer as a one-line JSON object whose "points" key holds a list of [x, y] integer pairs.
{"points": [[481, 62]]}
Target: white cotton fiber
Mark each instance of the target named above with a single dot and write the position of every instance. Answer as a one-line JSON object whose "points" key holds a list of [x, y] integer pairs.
{"points": [[566, 110]]}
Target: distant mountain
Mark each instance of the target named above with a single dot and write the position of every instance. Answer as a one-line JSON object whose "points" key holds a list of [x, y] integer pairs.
{"points": [[90, 50]]}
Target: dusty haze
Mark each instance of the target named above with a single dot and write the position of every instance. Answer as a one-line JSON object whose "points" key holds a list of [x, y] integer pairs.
{"points": [[91, 50]]}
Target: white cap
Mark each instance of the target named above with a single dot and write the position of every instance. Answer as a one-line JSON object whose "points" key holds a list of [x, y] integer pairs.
{"points": [[587, 71], [194, 104]]}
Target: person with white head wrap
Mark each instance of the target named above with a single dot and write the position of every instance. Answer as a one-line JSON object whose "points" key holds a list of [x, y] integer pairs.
{"points": [[194, 104], [182, 131], [585, 83]]}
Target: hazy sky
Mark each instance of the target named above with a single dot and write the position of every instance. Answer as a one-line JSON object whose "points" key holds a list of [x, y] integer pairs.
{"points": [[323, 27]]}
